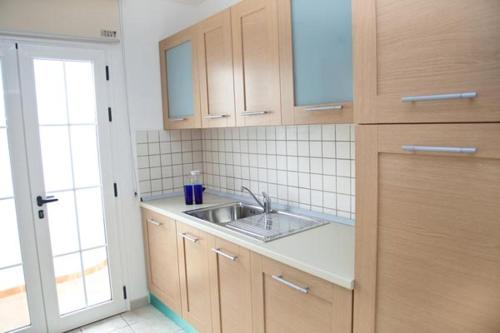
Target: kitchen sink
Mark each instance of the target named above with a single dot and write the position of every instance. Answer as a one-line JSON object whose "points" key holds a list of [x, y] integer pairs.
{"points": [[252, 221], [226, 213]]}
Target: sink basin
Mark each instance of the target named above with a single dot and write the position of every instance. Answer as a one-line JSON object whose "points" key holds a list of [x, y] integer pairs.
{"points": [[226, 213], [251, 220]]}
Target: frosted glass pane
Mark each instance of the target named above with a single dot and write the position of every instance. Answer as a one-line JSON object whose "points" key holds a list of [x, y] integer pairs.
{"points": [[56, 158], [69, 281], [10, 252], [5, 171], [2, 99], [50, 91], [13, 301], [95, 263], [180, 81], [62, 223], [85, 156], [81, 92], [322, 51], [90, 217]]}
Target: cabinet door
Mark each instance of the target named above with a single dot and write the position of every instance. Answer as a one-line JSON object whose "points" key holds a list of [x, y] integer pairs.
{"points": [[428, 228], [162, 261], [444, 55], [231, 287], [256, 62], [179, 78], [316, 61], [194, 247], [216, 71], [287, 300]]}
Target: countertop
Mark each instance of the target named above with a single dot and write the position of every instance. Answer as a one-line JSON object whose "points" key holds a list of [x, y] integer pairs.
{"points": [[326, 252]]}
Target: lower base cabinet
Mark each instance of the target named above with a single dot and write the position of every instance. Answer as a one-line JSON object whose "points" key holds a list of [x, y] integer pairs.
{"points": [[291, 301], [221, 287]]}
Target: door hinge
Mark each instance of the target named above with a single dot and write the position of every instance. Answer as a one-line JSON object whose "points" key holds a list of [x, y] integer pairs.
{"points": [[110, 115], [17, 46], [124, 292], [107, 73], [115, 189]]}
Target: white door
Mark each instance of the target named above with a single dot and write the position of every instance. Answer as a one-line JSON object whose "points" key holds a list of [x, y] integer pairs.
{"points": [[71, 200], [21, 302]]}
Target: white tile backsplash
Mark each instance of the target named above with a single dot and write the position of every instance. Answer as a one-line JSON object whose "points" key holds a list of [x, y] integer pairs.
{"points": [[306, 166]]}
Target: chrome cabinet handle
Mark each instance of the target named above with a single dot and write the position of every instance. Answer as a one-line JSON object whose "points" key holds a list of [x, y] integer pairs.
{"points": [[439, 97], [439, 149], [325, 108], [153, 222], [216, 116], [177, 119], [190, 238], [225, 255], [287, 283], [254, 113]]}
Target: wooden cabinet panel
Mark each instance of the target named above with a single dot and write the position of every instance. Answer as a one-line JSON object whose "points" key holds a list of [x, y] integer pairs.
{"points": [[231, 287], [315, 61], [216, 71], [256, 62], [194, 247], [161, 254], [409, 48], [278, 307], [428, 229], [180, 80]]}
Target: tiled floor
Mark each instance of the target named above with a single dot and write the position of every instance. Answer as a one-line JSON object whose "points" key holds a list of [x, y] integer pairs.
{"points": [[142, 320]]}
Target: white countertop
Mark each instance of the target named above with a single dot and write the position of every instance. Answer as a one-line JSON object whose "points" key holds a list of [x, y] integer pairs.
{"points": [[326, 252]]}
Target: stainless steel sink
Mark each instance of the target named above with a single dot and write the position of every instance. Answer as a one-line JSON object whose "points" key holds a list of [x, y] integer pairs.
{"points": [[251, 220], [226, 213]]}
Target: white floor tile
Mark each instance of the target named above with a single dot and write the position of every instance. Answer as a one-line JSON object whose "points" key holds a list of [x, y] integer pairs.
{"points": [[106, 326]]}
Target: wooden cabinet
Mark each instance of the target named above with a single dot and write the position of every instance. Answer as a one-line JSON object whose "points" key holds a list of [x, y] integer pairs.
{"points": [[216, 71], [194, 247], [407, 50], [230, 287], [287, 300], [256, 62], [180, 80], [316, 61], [161, 255], [428, 228]]}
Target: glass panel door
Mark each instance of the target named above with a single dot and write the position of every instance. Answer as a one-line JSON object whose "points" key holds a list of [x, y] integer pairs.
{"points": [[69, 150], [322, 51], [179, 60], [20, 290]]}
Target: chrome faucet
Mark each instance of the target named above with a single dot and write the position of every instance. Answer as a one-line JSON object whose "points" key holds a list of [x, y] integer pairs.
{"points": [[266, 205]]}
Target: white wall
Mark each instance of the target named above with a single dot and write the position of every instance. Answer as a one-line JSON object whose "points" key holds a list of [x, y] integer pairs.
{"points": [[145, 23]]}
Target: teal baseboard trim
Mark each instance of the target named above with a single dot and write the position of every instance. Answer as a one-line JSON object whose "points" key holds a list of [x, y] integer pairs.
{"points": [[154, 301]]}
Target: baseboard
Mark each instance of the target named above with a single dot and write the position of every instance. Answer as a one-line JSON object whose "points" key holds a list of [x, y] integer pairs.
{"points": [[171, 314]]}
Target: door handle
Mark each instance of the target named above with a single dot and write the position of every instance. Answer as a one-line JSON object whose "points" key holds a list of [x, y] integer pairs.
{"points": [[40, 201]]}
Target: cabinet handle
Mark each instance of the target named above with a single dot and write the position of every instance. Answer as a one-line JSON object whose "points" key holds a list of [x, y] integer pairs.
{"points": [[190, 238], [439, 149], [280, 279], [254, 113], [177, 119], [153, 222], [441, 97], [216, 116], [325, 108], [225, 255]]}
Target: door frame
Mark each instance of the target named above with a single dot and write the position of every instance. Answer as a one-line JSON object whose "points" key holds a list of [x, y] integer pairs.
{"points": [[124, 209]]}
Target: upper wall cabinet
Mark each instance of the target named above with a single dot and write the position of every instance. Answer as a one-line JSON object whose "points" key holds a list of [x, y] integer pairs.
{"points": [[256, 62], [426, 61], [316, 61], [179, 78], [216, 71]]}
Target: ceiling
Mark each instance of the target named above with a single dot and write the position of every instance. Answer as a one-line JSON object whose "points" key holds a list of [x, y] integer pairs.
{"points": [[189, 2]]}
